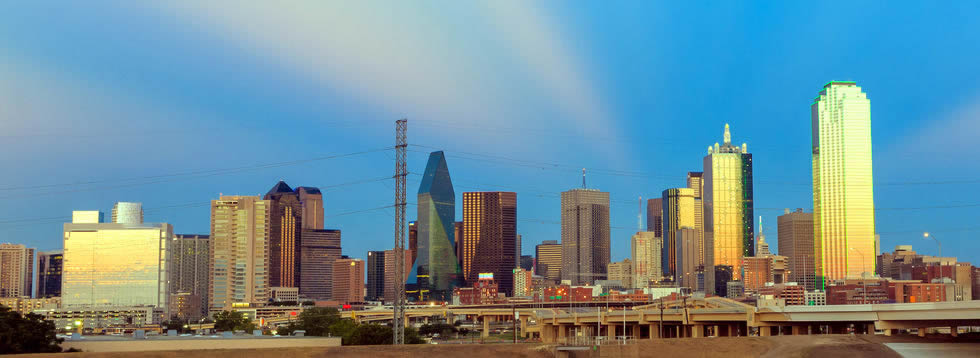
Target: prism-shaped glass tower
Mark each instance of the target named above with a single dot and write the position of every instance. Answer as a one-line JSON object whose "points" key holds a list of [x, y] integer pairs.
{"points": [[436, 271]]}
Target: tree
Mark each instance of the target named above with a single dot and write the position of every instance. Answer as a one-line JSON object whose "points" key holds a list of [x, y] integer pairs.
{"points": [[232, 321], [316, 321], [26, 334], [176, 323], [371, 334], [343, 328]]}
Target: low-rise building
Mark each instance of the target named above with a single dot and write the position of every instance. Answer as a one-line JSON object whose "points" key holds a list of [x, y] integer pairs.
{"points": [[792, 293], [28, 305], [815, 298]]}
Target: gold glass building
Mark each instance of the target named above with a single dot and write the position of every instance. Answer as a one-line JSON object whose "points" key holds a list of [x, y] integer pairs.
{"points": [[695, 181], [843, 199], [108, 264], [547, 260], [729, 228], [678, 213], [239, 252]]}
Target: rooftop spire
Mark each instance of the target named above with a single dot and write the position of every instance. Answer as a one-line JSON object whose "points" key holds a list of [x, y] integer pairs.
{"points": [[583, 179], [728, 135]]}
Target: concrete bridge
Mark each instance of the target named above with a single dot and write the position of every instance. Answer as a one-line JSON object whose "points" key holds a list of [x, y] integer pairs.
{"points": [[715, 316]]}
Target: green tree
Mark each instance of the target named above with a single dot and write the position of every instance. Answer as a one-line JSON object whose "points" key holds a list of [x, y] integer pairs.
{"points": [[176, 323], [316, 321], [371, 334], [343, 328], [26, 334], [232, 321]]}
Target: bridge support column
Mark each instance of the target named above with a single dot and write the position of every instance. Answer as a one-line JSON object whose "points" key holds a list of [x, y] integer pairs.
{"points": [[562, 333], [889, 332], [697, 331], [799, 330], [680, 331], [765, 331], [524, 327], [611, 331], [922, 332], [953, 331], [869, 328], [654, 331], [547, 333], [486, 327]]}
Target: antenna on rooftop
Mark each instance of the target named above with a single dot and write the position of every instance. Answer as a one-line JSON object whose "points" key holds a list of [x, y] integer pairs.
{"points": [[583, 179]]}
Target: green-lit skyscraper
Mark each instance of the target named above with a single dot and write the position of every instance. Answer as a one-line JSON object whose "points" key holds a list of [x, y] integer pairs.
{"points": [[843, 200], [436, 270]]}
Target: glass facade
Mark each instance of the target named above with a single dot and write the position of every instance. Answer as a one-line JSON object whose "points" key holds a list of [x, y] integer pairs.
{"points": [[285, 227], [189, 269], [646, 258], [127, 213], [843, 199], [49, 267], [678, 213], [116, 265], [436, 270], [729, 228]]}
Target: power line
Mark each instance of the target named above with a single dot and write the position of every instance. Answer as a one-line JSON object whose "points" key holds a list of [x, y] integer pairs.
{"points": [[624, 173], [196, 173]]}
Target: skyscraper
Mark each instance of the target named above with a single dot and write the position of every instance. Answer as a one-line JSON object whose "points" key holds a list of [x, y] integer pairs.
{"points": [[16, 271], [678, 213], [646, 259], [761, 246], [490, 237], [655, 216], [375, 276], [796, 243], [413, 241], [317, 253], [348, 280], [436, 270], [285, 229], [458, 237], [695, 181], [843, 192], [687, 248], [127, 213], [311, 202], [728, 206], [391, 281], [584, 235], [548, 260], [239, 251], [189, 275], [109, 264], [49, 267]]}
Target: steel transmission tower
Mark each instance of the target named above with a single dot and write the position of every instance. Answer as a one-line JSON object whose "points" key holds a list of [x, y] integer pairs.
{"points": [[401, 172]]}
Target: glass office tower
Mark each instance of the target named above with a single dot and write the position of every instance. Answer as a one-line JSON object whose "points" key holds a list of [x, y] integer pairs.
{"points": [[436, 271], [127, 213], [678, 214], [116, 264], [729, 228], [843, 200]]}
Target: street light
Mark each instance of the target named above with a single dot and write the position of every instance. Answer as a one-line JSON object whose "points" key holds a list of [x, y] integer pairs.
{"points": [[927, 236]]}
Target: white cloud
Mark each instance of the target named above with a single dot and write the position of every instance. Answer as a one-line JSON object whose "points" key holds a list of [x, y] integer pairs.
{"points": [[410, 58], [948, 138]]}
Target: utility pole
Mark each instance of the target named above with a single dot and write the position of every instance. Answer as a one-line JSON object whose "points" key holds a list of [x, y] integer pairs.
{"points": [[401, 172]]}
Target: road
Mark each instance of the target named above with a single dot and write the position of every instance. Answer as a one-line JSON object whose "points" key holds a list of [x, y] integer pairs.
{"points": [[936, 350]]}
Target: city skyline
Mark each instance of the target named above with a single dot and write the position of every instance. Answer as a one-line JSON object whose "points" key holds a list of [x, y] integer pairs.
{"points": [[925, 129]]}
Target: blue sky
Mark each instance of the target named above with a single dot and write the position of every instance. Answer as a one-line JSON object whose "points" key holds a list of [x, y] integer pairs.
{"points": [[133, 96]]}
